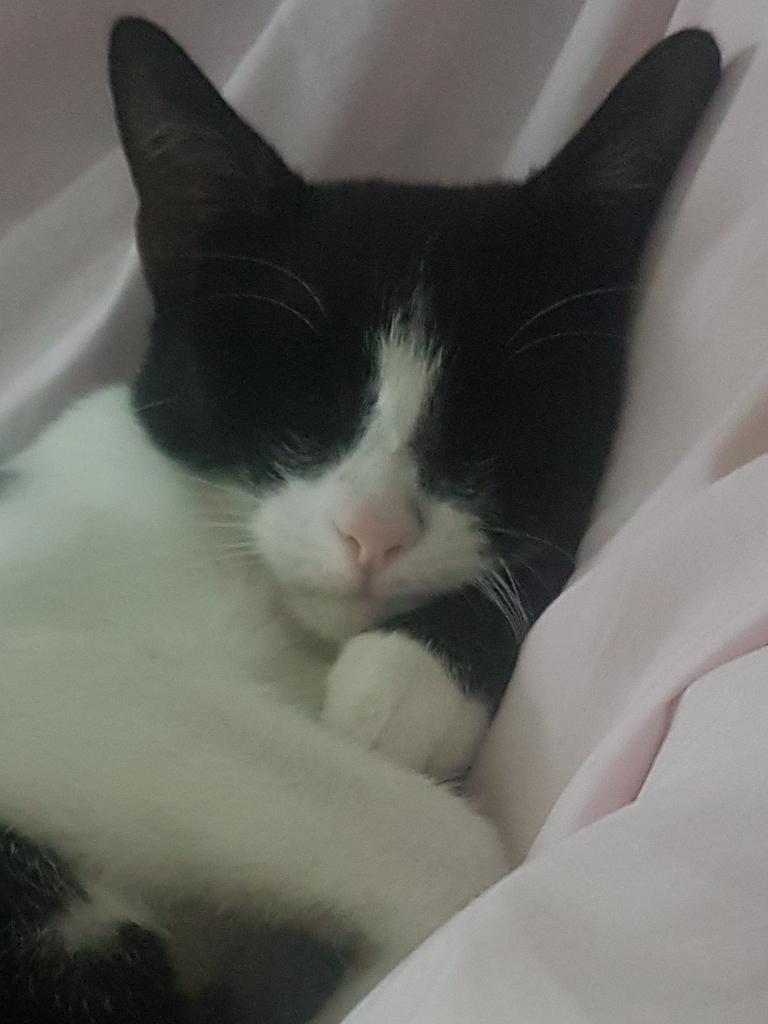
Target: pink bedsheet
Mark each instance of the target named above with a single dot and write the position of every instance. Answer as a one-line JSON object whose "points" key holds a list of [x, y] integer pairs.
{"points": [[628, 767]]}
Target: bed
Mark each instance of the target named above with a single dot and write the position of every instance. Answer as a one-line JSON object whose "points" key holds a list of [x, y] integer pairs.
{"points": [[628, 766]]}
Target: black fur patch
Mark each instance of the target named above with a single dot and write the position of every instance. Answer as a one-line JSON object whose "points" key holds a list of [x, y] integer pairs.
{"points": [[41, 983], [279, 975], [275, 975]]}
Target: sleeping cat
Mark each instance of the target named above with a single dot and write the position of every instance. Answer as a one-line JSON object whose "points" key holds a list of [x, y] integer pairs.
{"points": [[250, 602]]}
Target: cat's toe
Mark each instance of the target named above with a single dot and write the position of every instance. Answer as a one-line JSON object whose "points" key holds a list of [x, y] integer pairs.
{"points": [[388, 692]]}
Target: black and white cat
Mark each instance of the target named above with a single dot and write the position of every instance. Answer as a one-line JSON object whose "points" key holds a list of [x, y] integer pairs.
{"points": [[244, 603]]}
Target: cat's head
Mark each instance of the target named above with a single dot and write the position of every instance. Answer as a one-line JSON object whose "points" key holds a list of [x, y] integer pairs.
{"points": [[412, 385]]}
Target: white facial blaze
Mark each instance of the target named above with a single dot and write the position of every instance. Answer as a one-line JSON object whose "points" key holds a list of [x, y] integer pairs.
{"points": [[296, 528], [406, 379], [381, 464]]}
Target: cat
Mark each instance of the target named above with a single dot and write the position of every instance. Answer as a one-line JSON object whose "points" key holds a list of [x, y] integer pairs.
{"points": [[257, 604]]}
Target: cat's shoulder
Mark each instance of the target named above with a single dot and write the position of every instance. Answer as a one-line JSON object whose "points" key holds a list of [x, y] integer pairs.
{"points": [[92, 470], [95, 455]]}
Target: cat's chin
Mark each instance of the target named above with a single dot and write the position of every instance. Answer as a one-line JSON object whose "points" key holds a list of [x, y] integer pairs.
{"points": [[337, 617], [330, 617]]}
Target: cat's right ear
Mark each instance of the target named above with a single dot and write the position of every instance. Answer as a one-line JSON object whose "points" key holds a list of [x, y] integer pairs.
{"points": [[192, 159], [625, 155]]}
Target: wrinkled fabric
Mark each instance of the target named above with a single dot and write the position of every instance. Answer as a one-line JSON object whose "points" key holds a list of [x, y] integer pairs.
{"points": [[628, 766]]}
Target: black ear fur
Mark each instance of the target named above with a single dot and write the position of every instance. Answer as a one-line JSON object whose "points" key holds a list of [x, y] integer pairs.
{"points": [[628, 150], [189, 153]]}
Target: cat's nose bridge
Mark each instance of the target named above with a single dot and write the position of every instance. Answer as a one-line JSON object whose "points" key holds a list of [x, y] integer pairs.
{"points": [[378, 531]]}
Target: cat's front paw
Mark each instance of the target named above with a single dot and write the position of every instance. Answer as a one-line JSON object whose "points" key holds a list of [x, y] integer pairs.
{"points": [[390, 694]]}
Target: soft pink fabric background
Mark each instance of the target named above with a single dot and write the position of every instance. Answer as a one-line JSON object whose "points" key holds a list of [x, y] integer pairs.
{"points": [[628, 767]]}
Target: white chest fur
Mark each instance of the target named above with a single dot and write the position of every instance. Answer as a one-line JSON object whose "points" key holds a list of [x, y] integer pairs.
{"points": [[100, 532]]}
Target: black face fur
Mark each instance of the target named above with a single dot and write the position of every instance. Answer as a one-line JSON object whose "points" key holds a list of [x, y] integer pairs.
{"points": [[525, 288]]}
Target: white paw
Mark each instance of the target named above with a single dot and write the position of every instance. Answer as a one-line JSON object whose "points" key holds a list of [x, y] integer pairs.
{"points": [[387, 692]]}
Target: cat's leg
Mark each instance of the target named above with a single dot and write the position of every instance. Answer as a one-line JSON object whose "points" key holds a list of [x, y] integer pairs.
{"points": [[422, 689], [47, 976], [71, 952], [244, 805], [390, 693]]}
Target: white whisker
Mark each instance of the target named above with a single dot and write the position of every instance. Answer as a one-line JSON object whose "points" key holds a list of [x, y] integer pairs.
{"points": [[262, 263], [154, 405], [227, 488], [529, 567], [262, 298], [565, 334], [513, 590], [513, 616], [515, 534], [500, 605], [566, 301], [501, 589]]}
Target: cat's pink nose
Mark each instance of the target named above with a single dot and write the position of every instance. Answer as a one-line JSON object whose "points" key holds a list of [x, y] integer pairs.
{"points": [[375, 536]]}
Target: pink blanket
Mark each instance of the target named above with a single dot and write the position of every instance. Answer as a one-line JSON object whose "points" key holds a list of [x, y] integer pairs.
{"points": [[628, 767]]}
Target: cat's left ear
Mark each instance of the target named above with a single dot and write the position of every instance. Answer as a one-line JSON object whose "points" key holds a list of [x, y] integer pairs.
{"points": [[627, 152], [191, 157]]}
